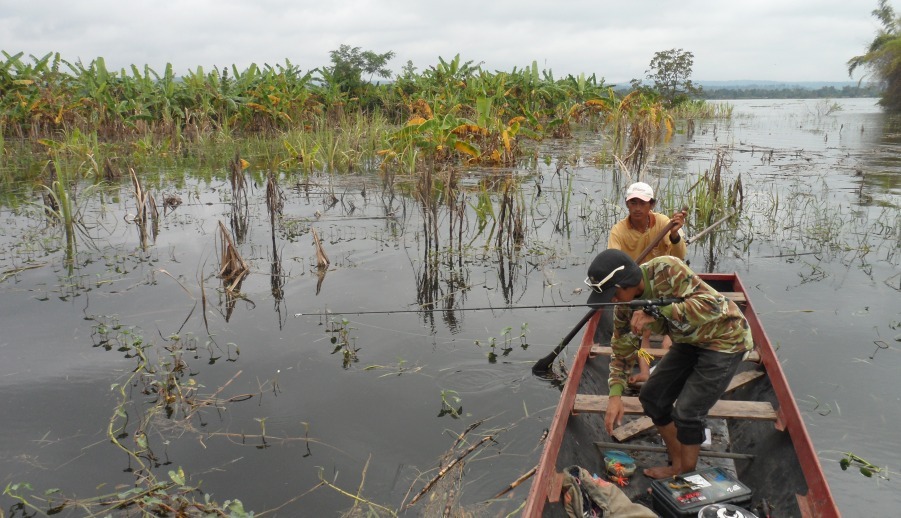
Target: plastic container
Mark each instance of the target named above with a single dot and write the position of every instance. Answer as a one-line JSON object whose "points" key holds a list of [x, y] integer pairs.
{"points": [[725, 511], [618, 463], [685, 496]]}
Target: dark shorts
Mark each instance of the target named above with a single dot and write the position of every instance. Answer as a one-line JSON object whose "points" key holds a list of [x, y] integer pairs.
{"points": [[694, 379]]}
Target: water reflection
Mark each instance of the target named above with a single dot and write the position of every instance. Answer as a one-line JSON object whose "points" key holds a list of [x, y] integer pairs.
{"points": [[812, 235], [441, 287], [275, 202], [239, 214]]}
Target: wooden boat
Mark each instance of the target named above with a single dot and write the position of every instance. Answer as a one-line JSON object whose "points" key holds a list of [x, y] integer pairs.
{"points": [[768, 447]]}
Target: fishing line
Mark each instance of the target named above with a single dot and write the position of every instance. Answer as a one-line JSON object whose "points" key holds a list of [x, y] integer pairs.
{"points": [[435, 338], [634, 304]]}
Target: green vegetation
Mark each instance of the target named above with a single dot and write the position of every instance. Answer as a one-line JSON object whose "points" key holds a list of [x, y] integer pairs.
{"points": [[507, 346], [148, 392], [342, 341], [670, 72], [349, 65], [450, 399], [866, 468], [883, 56], [330, 119], [73, 123], [698, 109]]}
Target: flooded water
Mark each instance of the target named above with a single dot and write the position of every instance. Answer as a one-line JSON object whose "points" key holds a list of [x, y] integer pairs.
{"points": [[266, 403]]}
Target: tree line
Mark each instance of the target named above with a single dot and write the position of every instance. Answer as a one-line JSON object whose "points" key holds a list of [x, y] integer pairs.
{"points": [[826, 92], [883, 57]]}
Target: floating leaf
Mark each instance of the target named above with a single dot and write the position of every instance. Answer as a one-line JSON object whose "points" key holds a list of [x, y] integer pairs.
{"points": [[177, 477]]}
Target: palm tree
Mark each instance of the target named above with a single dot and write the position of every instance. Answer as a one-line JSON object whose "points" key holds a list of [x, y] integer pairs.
{"points": [[883, 56]]}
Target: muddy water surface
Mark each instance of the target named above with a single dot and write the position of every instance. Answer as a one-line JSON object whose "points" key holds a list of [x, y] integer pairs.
{"points": [[280, 405]]}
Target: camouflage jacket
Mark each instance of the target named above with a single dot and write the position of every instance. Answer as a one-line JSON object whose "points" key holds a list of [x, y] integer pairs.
{"points": [[704, 319]]}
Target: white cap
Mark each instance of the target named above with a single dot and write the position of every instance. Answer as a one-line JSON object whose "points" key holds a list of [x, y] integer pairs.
{"points": [[640, 190]]}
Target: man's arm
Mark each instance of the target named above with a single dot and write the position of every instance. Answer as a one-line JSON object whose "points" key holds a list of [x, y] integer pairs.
{"points": [[624, 346], [700, 305], [614, 415], [616, 239], [678, 248]]}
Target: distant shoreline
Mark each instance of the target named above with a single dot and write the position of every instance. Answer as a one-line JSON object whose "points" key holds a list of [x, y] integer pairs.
{"points": [[750, 89]]}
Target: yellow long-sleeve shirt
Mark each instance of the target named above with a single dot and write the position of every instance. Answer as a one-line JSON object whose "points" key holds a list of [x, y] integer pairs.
{"points": [[632, 242]]}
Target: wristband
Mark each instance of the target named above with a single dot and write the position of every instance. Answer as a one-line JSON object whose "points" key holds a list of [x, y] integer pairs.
{"points": [[674, 241]]}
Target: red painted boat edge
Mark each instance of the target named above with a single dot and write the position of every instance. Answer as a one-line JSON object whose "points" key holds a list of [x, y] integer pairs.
{"points": [[819, 500], [538, 493]]}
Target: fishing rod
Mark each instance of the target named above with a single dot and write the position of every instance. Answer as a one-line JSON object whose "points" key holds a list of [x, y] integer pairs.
{"points": [[542, 366], [635, 304], [712, 226]]}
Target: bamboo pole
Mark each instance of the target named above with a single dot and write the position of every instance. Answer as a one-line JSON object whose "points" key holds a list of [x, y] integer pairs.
{"points": [[525, 476], [447, 468]]}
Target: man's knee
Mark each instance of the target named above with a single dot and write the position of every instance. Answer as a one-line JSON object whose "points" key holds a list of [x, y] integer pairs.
{"points": [[660, 414]]}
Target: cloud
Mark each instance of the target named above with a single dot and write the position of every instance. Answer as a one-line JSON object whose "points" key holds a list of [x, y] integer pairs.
{"points": [[789, 40]]}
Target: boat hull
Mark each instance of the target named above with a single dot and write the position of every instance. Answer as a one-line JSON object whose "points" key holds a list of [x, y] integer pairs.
{"points": [[779, 464]]}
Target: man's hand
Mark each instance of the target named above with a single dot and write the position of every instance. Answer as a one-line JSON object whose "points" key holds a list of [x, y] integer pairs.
{"points": [[678, 219], [614, 415], [640, 321]]}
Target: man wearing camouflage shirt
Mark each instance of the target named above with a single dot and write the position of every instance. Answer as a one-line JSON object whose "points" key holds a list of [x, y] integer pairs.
{"points": [[710, 336]]}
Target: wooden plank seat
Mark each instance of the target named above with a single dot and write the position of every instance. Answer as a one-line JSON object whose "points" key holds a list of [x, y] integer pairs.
{"points": [[726, 409], [636, 426], [735, 296], [657, 352]]}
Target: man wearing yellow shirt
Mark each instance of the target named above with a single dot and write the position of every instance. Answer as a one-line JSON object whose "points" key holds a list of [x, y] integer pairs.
{"points": [[633, 234]]}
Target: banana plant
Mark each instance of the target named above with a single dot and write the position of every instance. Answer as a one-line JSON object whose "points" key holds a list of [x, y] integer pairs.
{"points": [[435, 138]]}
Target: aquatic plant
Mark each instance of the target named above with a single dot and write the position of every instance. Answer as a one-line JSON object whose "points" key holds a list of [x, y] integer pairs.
{"points": [[165, 390], [450, 473], [865, 467], [636, 123], [60, 203], [232, 266], [698, 109], [450, 399], [343, 342], [710, 196], [147, 209]]}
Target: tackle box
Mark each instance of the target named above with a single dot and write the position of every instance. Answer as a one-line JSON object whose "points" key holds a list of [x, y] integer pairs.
{"points": [[687, 494]]}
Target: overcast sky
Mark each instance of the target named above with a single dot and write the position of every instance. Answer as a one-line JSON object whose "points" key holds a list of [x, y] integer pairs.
{"points": [[781, 40]]}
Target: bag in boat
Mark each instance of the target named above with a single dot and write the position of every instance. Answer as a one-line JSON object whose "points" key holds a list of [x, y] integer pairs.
{"points": [[585, 495]]}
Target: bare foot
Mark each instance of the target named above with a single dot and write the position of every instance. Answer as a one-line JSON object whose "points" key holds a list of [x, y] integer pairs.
{"points": [[659, 472], [638, 378]]}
